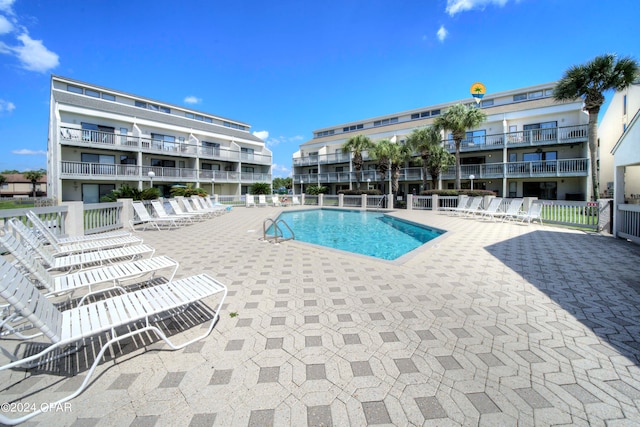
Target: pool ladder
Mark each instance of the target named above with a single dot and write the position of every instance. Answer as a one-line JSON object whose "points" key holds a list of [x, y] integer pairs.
{"points": [[278, 235]]}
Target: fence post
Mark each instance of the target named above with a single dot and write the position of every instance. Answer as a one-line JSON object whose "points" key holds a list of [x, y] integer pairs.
{"points": [[246, 200], [74, 221], [435, 202], [215, 199], [320, 200], [364, 201], [341, 200], [391, 202], [126, 215], [409, 202]]}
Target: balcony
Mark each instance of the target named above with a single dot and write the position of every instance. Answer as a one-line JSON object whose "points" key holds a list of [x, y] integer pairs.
{"points": [[102, 171], [526, 138], [542, 169], [325, 159], [98, 139]]}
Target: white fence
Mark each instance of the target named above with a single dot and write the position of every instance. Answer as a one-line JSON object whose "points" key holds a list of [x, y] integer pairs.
{"points": [[628, 224]]}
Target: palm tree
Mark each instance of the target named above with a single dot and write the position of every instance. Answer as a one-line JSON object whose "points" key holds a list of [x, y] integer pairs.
{"points": [[391, 157], [422, 141], [3, 179], [34, 177], [458, 119], [439, 158], [357, 144], [589, 82]]}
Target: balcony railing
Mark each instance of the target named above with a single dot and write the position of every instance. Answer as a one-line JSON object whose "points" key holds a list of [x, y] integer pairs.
{"points": [[81, 170], [159, 146], [543, 168]]}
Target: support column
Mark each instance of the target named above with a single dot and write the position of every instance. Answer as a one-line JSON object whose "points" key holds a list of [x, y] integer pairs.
{"points": [[126, 215], [74, 221]]}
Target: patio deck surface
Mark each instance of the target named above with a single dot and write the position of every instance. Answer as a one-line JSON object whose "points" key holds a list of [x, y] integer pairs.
{"points": [[492, 324]]}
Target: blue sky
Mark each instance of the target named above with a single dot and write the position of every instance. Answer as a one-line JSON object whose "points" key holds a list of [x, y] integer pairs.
{"points": [[290, 67]]}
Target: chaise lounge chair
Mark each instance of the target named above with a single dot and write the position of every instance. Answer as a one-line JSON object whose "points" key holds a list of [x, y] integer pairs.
{"points": [[147, 220], [513, 210], [275, 201], [177, 210], [160, 212], [262, 201], [534, 214], [250, 201], [115, 274], [492, 209], [50, 236], [72, 261], [131, 313], [462, 203]]}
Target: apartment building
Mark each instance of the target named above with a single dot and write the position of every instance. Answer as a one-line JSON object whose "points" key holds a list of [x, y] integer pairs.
{"points": [[529, 145], [101, 139], [622, 109], [16, 185]]}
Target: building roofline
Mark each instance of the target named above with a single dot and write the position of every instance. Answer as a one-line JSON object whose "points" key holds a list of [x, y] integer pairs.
{"points": [[436, 106], [131, 95]]}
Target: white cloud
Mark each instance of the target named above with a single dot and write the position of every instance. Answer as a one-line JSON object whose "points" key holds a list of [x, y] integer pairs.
{"points": [[457, 6], [34, 55], [5, 25], [27, 152], [6, 106], [192, 100], [442, 33], [280, 171], [262, 134]]}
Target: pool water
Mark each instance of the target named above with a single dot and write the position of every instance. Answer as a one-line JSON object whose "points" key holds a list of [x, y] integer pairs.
{"points": [[366, 233]]}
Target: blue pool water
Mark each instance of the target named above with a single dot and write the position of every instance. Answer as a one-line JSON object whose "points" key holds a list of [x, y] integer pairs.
{"points": [[367, 233]]}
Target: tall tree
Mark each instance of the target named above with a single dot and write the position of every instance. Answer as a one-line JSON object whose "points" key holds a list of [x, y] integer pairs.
{"points": [[589, 81], [458, 119], [34, 177], [422, 141], [391, 157], [439, 158], [356, 145]]}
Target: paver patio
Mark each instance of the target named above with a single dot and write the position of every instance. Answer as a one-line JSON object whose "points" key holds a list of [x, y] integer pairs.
{"points": [[492, 324]]}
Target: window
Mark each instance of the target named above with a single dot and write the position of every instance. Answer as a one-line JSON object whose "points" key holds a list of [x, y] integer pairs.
{"points": [[476, 137], [246, 153], [211, 148], [92, 93], [415, 116], [163, 163], [208, 120], [385, 121], [163, 142], [74, 89], [487, 103], [325, 133], [352, 128], [435, 112], [101, 164], [153, 107], [520, 97], [199, 117], [141, 104], [108, 97], [189, 116], [210, 167], [97, 133], [546, 131], [127, 159], [165, 110], [624, 105], [247, 169], [91, 193], [426, 114]]}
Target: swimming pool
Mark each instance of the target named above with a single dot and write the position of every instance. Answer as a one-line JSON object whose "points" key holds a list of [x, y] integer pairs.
{"points": [[366, 233]]}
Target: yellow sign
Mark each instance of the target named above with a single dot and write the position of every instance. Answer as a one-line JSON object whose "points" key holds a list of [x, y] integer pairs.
{"points": [[478, 90]]}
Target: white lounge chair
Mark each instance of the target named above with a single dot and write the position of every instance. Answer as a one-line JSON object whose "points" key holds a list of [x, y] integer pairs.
{"points": [[512, 211], [250, 201], [275, 201], [473, 207], [462, 203], [188, 205], [295, 200], [131, 314], [201, 206], [83, 246], [262, 200], [115, 274], [51, 237], [177, 209], [160, 212], [492, 209], [147, 220], [73, 261], [208, 202], [534, 214]]}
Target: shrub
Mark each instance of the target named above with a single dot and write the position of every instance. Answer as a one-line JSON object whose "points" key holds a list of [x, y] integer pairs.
{"points": [[314, 190], [470, 193], [359, 192], [260, 188], [188, 191]]}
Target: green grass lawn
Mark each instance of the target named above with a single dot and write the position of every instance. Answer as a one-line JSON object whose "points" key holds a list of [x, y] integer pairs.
{"points": [[15, 205]]}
